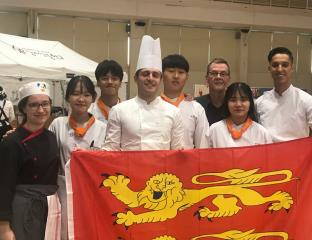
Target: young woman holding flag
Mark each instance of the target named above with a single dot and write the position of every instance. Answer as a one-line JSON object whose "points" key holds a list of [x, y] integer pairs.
{"points": [[78, 130], [240, 127]]}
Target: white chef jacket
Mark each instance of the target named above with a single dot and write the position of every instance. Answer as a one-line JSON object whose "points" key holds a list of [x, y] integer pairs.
{"points": [[195, 124], [219, 135], [136, 125], [67, 140], [96, 112], [288, 116]]}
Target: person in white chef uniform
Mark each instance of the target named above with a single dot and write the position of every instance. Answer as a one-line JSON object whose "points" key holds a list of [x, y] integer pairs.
{"points": [[285, 111], [196, 127], [145, 122]]}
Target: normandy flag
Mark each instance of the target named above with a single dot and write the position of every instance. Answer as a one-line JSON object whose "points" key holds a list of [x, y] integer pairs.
{"points": [[260, 192]]}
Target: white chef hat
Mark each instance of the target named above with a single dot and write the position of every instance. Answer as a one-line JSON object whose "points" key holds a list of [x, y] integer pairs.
{"points": [[150, 54], [33, 88]]}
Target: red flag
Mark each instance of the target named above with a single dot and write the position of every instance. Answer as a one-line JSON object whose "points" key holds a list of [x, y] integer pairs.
{"points": [[258, 192]]}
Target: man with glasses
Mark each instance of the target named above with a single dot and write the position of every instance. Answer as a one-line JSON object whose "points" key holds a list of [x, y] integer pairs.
{"points": [[145, 122], [285, 111], [108, 75], [217, 77]]}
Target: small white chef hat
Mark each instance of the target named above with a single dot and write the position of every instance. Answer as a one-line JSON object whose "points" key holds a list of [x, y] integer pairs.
{"points": [[33, 88], [150, 54]]}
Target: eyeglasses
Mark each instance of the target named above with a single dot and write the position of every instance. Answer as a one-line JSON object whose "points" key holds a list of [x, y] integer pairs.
{"points": [[216, 74], [36, 105]]}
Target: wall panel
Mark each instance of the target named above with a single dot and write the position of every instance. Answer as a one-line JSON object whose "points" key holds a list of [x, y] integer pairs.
{"points": [[195, 48], [14, 23], [259, 45], [118, 43], [224, 44], [91, 38], [169, 38], [56, 28]]}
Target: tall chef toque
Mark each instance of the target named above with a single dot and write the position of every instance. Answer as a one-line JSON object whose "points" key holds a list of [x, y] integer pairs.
{"points": [[150, 54], [33, 88]]}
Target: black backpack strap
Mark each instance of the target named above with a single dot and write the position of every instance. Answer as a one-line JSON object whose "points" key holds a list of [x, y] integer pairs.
{"points": [[2, 113], [4, 124]]}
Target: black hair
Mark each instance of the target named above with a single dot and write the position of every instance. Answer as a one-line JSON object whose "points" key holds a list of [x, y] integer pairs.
{"points": [[85, 82], [108, 66], [244, 90], [2, 94], [280, 50], [175, 61], [218, 61]]}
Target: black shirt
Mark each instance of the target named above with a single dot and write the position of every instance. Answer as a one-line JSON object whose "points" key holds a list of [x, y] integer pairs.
{"points": [[35, 161], [213, 114]]}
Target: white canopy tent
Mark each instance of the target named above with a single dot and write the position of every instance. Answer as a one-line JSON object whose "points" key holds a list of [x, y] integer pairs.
{"points": [[26, 59]]}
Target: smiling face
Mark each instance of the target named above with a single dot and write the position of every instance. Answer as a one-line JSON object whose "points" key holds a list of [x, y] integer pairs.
{"points": [[238, 106], [37, 110], [281, 69], [218, 77], [80, 99], [148, 81], [174, 80], [109, 84]]}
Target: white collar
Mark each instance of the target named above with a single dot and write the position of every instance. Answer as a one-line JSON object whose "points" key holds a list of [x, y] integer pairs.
{"points": [[143, 102], [285, 93]]}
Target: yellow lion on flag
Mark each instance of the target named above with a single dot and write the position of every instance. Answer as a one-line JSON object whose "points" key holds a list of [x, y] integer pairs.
{"points": [[165, 196], [235, 235]]}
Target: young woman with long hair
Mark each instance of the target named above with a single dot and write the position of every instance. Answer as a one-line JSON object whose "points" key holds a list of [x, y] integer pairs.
{"points": [[78, 130], [240, 127]]}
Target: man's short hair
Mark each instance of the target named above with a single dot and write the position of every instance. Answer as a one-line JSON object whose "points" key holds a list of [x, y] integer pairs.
{"points": [[108, 66], [280, 50], [175, 61], [218, 61]]}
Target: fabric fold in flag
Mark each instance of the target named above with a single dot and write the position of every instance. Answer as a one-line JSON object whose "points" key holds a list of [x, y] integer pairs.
{"points": [[258, 192]]}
